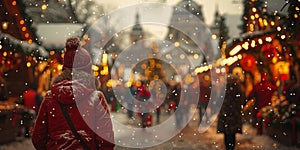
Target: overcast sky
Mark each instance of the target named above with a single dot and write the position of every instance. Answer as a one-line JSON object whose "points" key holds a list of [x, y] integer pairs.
{"points": [[232, 8], [208, 7]]}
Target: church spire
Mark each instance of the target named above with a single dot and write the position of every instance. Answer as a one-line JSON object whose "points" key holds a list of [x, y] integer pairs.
{"points": [[137, 18], [137, 32]]}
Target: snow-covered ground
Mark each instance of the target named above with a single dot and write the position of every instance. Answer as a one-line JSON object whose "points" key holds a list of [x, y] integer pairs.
{"points": [[188, 139]]}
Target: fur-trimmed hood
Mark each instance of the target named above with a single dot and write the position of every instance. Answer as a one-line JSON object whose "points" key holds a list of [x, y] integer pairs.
{"points": [[69, 87]]}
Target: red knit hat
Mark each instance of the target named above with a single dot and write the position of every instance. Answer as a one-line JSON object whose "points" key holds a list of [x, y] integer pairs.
{"points": [[76, 57]]}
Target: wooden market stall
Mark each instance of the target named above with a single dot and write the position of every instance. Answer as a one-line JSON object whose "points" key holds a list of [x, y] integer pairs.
{"points": [[19, 55], [269, 46]]}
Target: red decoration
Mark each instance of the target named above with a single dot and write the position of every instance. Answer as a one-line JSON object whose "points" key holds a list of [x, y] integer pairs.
{"points": [[248, 62], [269, 51], [284, 77]]}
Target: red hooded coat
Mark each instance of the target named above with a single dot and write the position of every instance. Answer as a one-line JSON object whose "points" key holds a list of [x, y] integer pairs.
{"points": [[51, 130]]}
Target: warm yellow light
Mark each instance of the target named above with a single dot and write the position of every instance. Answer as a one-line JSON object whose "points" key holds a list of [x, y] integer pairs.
{"points": [[268, 39], [295, 16], [254, 9], [26, 35], [252, 17], [260, 22], [82, 43], [4, 25], [24, 28], [264, 9], [223, 70], [109, 83], [214, 36], [4, 54], [245, 45], [168, 56], [256, 15], [235, 50], [198, 70], [104, 71], [223, 62], [260, 41], [182, 56], [240, 56], [282, 36], [251, 27], [104, 59], [265, 22], [297, 8], [14, 3], [96, 73], [51, 52], [28, 64], [272, 23], [283, 67], [128, 84], [95, 68], [196, 56], [22, 21], [0, 46], [177, 44], [59, 67], [44, 7], [252, 43], [85, 36], [278, 28], [29, 41], [274, 60]]}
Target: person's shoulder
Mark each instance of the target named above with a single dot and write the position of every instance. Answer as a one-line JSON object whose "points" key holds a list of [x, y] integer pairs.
{"points": [[97, 95], [48, 97]]}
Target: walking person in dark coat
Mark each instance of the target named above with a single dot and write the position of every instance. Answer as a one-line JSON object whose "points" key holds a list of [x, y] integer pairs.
{"points": [[230, 116]]}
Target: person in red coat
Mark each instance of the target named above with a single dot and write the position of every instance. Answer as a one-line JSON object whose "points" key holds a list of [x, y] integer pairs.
{"points": [[30, 98], [75, 89], [143, 94], [262, 94]]}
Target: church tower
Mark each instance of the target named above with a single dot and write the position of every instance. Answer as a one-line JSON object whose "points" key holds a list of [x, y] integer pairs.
{"points": [[137, 32]]}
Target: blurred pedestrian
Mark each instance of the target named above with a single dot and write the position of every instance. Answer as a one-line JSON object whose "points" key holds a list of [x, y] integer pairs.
{"points": [[204, 98], [230, 116], [293, 93], [143, 94], [262, 94], [176, 97], [31, 102], [74, 115]]}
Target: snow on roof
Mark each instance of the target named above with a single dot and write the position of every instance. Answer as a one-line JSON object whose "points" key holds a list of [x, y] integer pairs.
{"points": [[53, 36], [26, 47]]}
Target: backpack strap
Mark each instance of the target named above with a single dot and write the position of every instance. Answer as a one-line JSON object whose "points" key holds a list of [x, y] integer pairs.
{"points": [[77, 136]]}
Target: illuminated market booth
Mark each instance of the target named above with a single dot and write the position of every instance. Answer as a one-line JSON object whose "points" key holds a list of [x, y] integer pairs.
{"points": [[270, 44], [20, 54]]}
